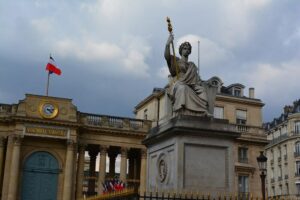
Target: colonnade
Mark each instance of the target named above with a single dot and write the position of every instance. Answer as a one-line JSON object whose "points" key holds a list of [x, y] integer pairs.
{"points": [[74, 168], [136, 169]]}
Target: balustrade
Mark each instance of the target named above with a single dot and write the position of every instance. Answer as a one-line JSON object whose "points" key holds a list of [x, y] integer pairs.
{"points": [[114, 122]]}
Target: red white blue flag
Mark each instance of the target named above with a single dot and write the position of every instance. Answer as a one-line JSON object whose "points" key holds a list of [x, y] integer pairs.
{"points": [[52, 67]]}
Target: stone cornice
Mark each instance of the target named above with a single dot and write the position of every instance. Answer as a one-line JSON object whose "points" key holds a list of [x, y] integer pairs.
{"points": [[109, 131], [82, 128], [243, 100]]}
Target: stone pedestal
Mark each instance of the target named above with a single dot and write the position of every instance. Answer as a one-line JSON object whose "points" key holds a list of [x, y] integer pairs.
{"points": [[189, 153]]}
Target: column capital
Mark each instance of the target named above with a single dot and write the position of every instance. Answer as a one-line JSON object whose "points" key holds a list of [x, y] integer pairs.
{"points": [[143, 153], [93, 152], [17, 139], [103, 149], [81, 147], [124, 151], [70, 143]]}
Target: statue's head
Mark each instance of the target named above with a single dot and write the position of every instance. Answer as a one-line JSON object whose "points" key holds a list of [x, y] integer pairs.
{"points": [[186, 45]]}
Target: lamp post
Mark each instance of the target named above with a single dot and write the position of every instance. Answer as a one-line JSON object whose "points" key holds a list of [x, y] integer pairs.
{"points": [[262, 164]]}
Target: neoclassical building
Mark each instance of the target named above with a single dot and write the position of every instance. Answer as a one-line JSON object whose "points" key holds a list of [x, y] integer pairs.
{"points": [[244, 112], [283, 152], [44, 141]]}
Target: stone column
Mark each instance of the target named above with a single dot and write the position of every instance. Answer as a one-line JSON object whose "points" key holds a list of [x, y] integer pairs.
{"points": [[1, 159], [92, 182], [123, 167], [68, 171], [102, 168], [131, 166], [80, 172], [9, 150], [112, 163], [14, 169], [143, 170]]}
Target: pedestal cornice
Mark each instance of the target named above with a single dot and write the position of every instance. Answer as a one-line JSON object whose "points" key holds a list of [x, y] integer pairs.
{"points": [[192, 125]]}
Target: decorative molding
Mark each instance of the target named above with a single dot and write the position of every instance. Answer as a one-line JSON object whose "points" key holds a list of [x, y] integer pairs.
{"points": [[143, 153]]}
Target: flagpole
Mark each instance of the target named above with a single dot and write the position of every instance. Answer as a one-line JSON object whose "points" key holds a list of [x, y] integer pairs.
{"points": [[198, 56], [47, 88]]}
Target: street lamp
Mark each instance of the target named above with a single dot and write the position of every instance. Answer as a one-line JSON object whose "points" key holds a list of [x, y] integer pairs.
{"points": [[262, 164]]}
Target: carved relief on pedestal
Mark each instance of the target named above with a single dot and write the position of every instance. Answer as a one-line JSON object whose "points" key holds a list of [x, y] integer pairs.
{"points": [[163, 168]]}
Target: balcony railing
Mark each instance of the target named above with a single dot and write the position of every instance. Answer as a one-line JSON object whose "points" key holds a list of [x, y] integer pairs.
{"points": [[296, 154], [295, 132], [286, 176], [272, 180], [279, 159], [297, 174], [279, 178], [278, 139], [285, 157], [5, 108], [242, 128], [243, 160], [114, 122]]}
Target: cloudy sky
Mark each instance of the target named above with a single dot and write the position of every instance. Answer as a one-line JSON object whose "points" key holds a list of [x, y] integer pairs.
{"points": [[111, 51]]}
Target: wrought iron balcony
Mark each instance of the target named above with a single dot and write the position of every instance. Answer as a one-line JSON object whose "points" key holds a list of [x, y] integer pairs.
{"points": [[243, 160], [279, 178], [296, 154], [272, 180], [286, 176], [279, 159], [297, 174]]}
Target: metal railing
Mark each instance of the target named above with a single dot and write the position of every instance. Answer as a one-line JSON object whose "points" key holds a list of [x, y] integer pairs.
{"points": [[243, 160], [296, 154], [134, 194], [286, 176], [279, 159]]}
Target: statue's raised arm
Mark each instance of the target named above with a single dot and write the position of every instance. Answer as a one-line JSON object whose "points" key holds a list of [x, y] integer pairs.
{"points": [[169, 58]]}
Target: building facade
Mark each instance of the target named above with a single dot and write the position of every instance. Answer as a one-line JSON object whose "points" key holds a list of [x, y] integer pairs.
{"points": [[243, 112], [283, 152], [44, 141]]}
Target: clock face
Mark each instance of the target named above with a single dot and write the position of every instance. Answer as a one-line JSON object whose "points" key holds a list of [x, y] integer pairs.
{"points": [[48, 110]]}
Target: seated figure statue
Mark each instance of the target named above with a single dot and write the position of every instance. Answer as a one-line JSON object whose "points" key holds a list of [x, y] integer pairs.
{"points": [[188, 93]]}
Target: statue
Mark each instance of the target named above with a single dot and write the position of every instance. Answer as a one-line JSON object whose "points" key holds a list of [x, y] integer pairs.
{"points": [[188, 93]]}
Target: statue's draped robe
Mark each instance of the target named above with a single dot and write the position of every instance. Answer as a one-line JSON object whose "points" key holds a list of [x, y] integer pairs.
{"points": [[188, 92]]}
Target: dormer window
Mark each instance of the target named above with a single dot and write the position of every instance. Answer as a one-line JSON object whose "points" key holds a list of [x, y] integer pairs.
{"points": [[237, 92], [236, 89]]}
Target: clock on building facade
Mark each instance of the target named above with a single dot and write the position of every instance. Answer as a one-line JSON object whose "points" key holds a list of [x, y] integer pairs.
{"points": [[48, 110]]}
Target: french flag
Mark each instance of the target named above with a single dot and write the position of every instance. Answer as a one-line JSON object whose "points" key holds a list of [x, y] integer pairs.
{"points": [[52, 67]]}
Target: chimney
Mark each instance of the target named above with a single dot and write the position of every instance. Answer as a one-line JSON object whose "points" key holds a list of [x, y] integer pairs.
{"points": [[251, 93]]}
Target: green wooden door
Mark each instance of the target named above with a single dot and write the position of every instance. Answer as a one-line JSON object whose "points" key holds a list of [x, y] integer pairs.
{"points": [[40, 176]]}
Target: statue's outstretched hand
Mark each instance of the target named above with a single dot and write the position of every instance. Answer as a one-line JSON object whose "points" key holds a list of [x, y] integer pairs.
{"points": [[170, 39]]}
